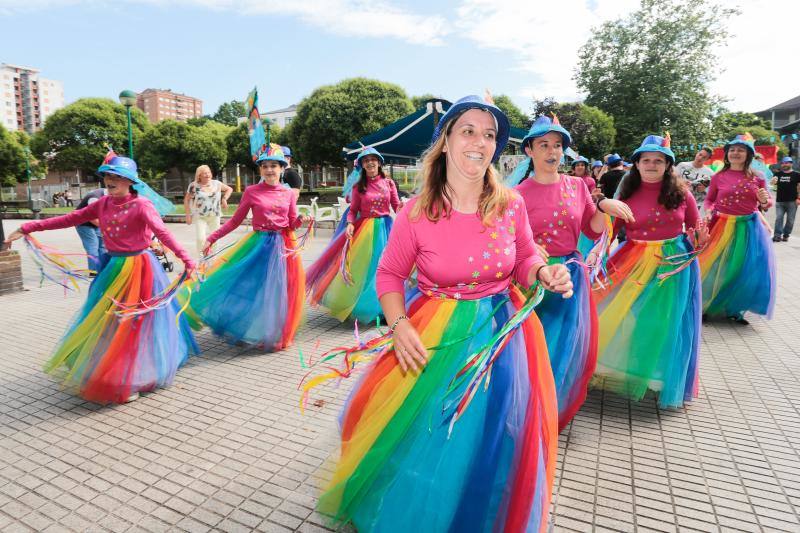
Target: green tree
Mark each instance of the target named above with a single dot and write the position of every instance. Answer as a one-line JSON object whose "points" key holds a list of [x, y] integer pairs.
{"points": [[651, 70], [172, 144], [335, 115], [12, 158], [237, 143], [516, 116], [78, 136], [546, 106], [419, 101], [728, 123], [591, 129], [228, 113], [199, 121]]}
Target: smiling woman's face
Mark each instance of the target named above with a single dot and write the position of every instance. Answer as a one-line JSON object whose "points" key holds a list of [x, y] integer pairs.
{"points": [[471, 144], [652, 166], [546, 152]]}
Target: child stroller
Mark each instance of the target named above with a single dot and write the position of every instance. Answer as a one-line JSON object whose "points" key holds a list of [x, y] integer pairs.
{"points": [[161, 253]]}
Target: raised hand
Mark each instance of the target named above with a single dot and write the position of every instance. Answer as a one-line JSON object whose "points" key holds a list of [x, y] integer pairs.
{"points": [[556, 278]]}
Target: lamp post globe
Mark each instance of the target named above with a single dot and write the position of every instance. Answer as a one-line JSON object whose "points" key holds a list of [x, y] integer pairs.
{"points": [[128, 99]]}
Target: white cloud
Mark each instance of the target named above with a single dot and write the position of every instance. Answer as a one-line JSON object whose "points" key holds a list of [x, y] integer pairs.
{"points": [[758, 68], [755, 69], [338, 17], [543, 38]]}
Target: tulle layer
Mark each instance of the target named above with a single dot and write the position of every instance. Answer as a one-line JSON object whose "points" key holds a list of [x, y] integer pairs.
{"points": [[343, 278], [649, 327], [738, 267], [106, 359], [399, 471], [254, 292], [570, 327]]}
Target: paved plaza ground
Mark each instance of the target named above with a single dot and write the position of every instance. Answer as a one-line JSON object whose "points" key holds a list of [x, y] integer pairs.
{"points": [[227, 449]]}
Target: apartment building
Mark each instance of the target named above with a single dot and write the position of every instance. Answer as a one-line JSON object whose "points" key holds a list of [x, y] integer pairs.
{"points": [[26, 98], [159, 104]]}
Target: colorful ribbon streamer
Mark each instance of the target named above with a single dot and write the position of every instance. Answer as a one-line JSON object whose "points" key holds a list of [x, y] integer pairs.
{"points": [[478, 365], [48, 258]]}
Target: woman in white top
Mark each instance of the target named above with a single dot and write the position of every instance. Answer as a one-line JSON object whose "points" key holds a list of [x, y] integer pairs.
{"points": [[203, 204]]}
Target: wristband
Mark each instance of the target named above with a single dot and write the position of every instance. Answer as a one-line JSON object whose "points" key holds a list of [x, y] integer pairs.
{"points": [[397, 321], [597, 201]]}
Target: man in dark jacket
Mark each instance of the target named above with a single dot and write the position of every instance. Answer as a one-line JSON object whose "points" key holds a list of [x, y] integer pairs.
{"points": [[290, 176], [89, 232], [788, 182], [610, 180]]}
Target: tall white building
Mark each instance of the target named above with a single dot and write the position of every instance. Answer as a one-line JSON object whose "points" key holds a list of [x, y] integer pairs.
{"points": [[281, 117], [27, 99]]}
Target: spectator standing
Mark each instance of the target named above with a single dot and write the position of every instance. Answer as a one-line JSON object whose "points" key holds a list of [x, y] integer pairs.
{"points": [[89, 232], [787, 181], [290, 176], [696, 174], [610, 180], [203, 204]]}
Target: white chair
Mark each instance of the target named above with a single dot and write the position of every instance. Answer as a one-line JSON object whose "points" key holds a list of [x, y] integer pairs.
{"points": [[341, 207], [307, 210], [323, 214]]}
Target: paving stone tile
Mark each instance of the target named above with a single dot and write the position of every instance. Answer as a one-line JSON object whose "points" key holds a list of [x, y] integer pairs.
{"points": [[226, 448]]}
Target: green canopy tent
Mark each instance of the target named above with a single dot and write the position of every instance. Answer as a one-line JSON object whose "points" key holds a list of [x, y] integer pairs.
{"points": [[402, 142]]}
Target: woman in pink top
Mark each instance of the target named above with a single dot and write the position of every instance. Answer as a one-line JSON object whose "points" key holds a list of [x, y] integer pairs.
{"points": [[108, 359], [402, 449], [343, 278], [253, 292], [649, 305], [734, 278], [560, 208], [580, 169]]}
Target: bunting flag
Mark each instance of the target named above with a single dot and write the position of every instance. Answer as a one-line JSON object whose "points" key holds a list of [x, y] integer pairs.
{"points": [[255, 128]]}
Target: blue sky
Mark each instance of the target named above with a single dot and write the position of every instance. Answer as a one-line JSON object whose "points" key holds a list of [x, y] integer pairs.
{"points": [[217, 50]]}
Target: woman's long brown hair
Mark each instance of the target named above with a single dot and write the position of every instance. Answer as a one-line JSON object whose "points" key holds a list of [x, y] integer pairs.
{"points": [[434, 199]]}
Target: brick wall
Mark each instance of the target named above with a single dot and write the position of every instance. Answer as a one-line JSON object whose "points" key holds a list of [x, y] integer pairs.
{"points": [[10, 272]]}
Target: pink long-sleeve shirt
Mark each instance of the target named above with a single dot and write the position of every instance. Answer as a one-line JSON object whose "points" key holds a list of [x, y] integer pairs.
{"points": [[654, 222], [375, 201], [734, 193], [127, 223], [459, 257], [274, 209], [589, 181], [558, 212]]}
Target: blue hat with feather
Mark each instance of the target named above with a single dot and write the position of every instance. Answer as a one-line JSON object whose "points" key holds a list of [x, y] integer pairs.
{"points": [[476, 102], [544, 125], [655, 143]]}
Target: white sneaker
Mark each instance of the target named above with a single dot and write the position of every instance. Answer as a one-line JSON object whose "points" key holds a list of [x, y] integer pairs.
{"points": [[132, 398]]}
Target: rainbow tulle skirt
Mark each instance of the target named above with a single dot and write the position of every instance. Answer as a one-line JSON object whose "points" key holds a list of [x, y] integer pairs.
{"points": [[399, 470], [342, 224], [570, 327], [343, 278], [253, 293], [585, 245], [738, 267], [106, 359], [650, 321]]}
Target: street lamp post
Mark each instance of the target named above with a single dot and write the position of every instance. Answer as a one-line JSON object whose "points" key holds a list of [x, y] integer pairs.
{"points": [[28, 174], [33, 206], [268, 122], [128, 99]]}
